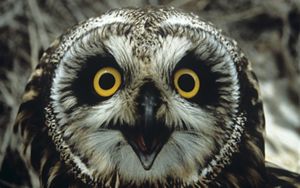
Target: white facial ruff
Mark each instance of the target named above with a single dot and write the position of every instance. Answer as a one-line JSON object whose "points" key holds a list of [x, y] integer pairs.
{"points": [[218, 161]]}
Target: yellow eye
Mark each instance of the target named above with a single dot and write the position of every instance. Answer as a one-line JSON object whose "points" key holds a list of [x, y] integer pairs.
{"points": [[107, 81], [187, 83]]}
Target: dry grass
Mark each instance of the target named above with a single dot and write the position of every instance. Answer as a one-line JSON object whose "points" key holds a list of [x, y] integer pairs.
{"points": [[268, 31]]}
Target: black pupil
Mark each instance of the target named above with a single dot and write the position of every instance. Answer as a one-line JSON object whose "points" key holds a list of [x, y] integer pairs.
{"points": [[107, 81], [186, 82]]}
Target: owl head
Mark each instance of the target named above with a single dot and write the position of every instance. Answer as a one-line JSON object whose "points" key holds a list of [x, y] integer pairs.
{"points": [[148, 97]]}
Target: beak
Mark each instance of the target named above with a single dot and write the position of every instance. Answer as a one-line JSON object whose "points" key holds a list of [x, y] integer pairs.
{"points": [[149, 135]]}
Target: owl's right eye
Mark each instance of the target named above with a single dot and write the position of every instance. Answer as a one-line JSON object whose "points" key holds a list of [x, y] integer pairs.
{"points": [[107, 81]]}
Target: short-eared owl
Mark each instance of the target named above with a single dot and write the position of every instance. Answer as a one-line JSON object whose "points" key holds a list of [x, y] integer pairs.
{"points": [[151, 97]]}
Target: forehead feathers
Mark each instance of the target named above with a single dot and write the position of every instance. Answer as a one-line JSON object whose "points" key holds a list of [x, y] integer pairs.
{"points": [[156, 36]]}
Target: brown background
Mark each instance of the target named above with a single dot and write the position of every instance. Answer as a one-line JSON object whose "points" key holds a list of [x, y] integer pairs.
{"points": [[268, 31]]}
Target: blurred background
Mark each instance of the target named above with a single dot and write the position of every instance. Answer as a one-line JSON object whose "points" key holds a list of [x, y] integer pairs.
{"points": [[268, 31]]}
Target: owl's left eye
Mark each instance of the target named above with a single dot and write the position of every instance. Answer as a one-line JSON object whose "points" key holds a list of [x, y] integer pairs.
{"points": [[107, 81], [187, 83]]}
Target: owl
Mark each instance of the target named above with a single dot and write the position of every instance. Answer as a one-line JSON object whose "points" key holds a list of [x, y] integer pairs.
{"points": [[144, 97]]}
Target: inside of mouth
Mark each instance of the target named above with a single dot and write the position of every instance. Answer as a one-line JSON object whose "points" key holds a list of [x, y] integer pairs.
{"points": [[146, 143]]}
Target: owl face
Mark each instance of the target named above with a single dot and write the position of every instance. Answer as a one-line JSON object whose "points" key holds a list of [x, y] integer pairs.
{"points": [[145, 95]]}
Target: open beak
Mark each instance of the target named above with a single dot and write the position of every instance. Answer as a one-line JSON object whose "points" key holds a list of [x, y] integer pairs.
{"points": [[149, 135]]}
